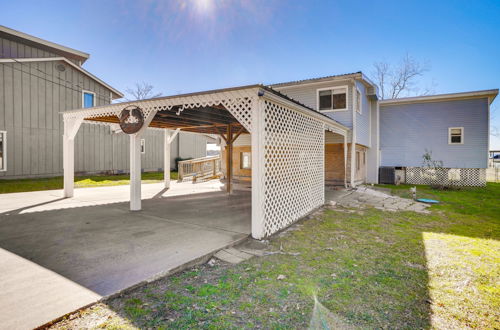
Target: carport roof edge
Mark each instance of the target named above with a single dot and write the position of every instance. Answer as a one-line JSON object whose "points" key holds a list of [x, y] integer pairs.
{"points": [[254, 88]]}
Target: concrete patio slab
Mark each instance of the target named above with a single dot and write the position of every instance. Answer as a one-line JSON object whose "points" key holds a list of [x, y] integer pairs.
{"points": [[65, 254]]}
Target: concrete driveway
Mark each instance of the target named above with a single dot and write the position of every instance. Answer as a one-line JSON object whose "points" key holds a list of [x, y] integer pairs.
{"points": [[57, 255]]}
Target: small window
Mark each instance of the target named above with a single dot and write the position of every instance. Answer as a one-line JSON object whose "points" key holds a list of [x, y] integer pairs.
{"points": [[358, 160], [334, 99], [3, 151], [143, 146], [88, 99], [358, 101], [246, 161], [456, 135]]}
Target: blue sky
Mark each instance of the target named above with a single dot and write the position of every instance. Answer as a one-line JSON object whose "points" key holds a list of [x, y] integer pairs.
{"points": [[190, 45]]}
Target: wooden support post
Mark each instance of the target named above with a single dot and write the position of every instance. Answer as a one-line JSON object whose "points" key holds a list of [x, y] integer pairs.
{"points": [[229, 158]]}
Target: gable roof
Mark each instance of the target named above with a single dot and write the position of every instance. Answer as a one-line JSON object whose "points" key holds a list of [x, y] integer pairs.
{"points": [[489, 93], [116, 93], [44, 44]]}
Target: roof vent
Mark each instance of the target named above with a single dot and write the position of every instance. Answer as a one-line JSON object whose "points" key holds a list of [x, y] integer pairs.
{"points": [[60, 67]]}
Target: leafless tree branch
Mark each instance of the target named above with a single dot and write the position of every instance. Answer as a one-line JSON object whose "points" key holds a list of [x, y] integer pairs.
{"points": [[396, 80], [141, 91]]}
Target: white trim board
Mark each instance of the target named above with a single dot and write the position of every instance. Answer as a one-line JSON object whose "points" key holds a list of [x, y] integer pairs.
{"points": [[54, 59], [83, 56]]}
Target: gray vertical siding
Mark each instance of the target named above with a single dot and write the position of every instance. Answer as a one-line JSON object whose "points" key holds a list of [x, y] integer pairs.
{"points": [[407, 130], [32, 96], [14, 49], [307, 94]]}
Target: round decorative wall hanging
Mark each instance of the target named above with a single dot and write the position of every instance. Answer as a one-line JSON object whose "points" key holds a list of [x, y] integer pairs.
{"points": [[131, 119]]}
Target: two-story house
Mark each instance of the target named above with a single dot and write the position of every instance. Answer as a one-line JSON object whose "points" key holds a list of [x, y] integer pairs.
{"points": [[39, 80], [453, 128]]}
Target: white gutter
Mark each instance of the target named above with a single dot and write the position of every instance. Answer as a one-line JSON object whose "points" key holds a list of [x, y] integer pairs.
{"points": [[489, 93]]}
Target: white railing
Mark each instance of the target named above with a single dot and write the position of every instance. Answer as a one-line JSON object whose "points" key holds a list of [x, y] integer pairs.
{"points": [[200, 168]]}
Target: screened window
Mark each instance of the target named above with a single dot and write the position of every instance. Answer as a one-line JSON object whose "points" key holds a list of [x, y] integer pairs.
{"points": [[333, 99], [358, 101], [246, 161], [88, 99], [3, 151], [456, 135], [143, 146]]}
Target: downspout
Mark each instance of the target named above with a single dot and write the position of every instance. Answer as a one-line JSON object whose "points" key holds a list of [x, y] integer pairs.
{"points": [[353, 135]]}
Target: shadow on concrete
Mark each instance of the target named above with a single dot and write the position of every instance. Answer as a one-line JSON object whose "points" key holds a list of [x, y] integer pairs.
{"points": [[108, 248]]}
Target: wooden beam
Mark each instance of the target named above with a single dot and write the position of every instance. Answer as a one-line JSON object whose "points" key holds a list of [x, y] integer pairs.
{"points": [[238, 134], [229, 157]]}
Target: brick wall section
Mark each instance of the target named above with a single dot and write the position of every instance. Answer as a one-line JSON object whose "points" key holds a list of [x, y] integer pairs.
{"points": [[334, 164]]}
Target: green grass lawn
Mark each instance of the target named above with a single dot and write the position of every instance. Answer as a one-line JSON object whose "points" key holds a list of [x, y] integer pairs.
{"points": [[367, 268], [22, 185]]}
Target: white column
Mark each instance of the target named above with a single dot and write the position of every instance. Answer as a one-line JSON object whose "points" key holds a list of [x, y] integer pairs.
{"points": [[71, 127], [257, 136], [135, 172], [345, 160], [373, 154], [69, 165], [166, 159]]}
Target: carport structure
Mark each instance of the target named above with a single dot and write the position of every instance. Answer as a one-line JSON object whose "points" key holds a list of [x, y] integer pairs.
{"points": [[288, 139]]}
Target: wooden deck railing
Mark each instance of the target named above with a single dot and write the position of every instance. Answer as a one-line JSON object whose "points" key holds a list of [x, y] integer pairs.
{"points": [[205, 167]]}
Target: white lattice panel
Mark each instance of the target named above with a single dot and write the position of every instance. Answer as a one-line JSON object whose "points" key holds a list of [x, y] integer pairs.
{"points": [[292, 181], [446, 176], [237, 102]]}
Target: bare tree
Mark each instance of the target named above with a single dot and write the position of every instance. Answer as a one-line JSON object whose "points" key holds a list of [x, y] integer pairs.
{"points": [[142, 91], [400, 80]]}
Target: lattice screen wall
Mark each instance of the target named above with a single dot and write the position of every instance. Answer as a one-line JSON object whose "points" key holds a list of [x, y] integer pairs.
{"points": [[292, 166], [446, 176]]}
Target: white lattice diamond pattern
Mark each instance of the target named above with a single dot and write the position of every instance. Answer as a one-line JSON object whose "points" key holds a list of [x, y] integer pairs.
{"points": [[446, 176], [238, 103], [293, 176]]}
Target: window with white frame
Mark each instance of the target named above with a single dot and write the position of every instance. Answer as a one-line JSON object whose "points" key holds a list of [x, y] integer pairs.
{"points": [[3, 151], [143, 146], [88, 99], [456, 135], [246, 161], [358, 101], [332, 99]]}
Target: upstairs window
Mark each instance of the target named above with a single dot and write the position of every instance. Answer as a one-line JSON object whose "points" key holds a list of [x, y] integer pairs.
{"points": [[88, 99], [3, 151], [332, 99], [456, 135]]}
